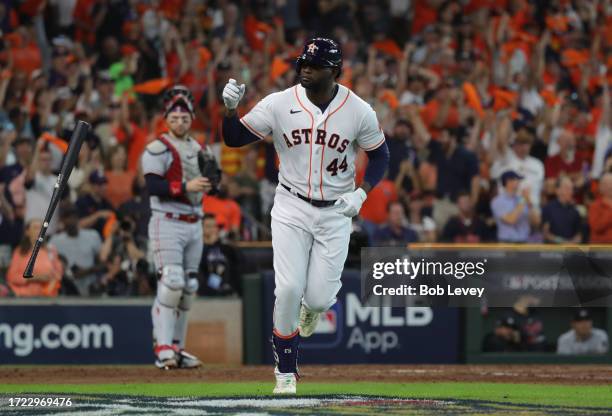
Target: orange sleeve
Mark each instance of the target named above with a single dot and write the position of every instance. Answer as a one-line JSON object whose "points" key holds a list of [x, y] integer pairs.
{"points": [[452, 120], [136, 148], [392, 191], [120, 134], [428, 113], [14, 273], [473, 99], [235, 216]]}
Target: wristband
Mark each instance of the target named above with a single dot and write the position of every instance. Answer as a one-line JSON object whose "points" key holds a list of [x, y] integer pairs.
{"points": [[176, 188]]}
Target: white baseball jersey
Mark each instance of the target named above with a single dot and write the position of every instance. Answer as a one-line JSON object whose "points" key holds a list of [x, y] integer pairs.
{"points": [[316, 150]]}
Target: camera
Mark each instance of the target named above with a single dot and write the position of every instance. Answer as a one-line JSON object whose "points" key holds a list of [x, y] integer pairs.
{"points": [[126, 225]]}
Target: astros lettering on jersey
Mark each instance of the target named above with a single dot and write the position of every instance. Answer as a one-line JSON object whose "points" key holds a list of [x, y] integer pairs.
{"points": [[316, 150]]}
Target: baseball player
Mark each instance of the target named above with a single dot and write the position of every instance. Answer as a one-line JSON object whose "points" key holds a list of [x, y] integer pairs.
{"points": [[317, 127], [176, 187]]}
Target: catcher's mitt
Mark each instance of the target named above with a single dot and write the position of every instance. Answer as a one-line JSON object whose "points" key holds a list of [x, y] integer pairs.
{"points": [[209, 168]]}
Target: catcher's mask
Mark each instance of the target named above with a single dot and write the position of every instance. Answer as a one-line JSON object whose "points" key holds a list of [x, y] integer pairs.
{"points": [[178, 97]]}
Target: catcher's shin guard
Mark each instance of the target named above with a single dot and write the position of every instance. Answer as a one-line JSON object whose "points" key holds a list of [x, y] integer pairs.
{"points": [[182, 311], [285, 350], [163, 313]]}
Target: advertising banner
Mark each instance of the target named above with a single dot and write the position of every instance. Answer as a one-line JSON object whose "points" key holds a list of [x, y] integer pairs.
{"points": [[351, 332], [71, 334]]}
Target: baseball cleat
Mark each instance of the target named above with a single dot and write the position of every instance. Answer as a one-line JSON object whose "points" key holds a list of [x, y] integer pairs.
{"points": [[186, 360], [286, 383], [166, 363], [308, 321], [166, 357]]}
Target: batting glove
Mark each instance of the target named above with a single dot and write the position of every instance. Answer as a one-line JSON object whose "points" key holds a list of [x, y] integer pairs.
{"points": [[232, 94], [350, 203]]}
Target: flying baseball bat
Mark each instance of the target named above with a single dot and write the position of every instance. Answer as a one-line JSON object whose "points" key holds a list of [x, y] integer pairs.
{"points": [[78, 136]]}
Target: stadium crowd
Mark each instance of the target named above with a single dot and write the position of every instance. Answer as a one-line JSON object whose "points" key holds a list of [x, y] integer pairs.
{"points": [[497, 117]]}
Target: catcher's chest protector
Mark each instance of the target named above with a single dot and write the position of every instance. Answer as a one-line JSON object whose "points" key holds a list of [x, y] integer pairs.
{"points": [[184, 165]]}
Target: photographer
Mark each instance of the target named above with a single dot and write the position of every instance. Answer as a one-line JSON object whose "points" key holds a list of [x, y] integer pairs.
{"points": [[127, 268], [219, 268]]}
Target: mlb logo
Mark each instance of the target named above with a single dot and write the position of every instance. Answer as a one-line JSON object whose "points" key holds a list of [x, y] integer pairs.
{"points": [[328, 323]]}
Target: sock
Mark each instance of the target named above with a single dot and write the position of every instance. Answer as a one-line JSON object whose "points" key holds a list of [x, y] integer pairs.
{"points": [[285, 350]]}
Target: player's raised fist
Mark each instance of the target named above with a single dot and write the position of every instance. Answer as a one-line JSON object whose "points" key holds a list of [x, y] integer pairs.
{"points": [[232, 94]]}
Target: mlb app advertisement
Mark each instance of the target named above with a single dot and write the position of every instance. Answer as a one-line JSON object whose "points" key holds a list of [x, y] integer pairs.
{"points": [[352, 332]]}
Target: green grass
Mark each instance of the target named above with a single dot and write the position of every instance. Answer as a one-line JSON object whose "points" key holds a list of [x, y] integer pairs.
{"points": [[532, 394]]}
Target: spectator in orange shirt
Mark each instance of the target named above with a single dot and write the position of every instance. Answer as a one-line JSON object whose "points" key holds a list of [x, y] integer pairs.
{"points": [[120, 180], [442, 112], [48, 270], [374, 208], [600, 212], [226, 210]]}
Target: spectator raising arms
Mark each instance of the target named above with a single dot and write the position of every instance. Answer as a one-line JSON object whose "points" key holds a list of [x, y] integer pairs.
{"points": [[472, 89], [40, 182], [517, 158], [48, 270]]}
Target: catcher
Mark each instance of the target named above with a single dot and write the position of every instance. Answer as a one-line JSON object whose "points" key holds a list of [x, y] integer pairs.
{"points": [[177, 173]]}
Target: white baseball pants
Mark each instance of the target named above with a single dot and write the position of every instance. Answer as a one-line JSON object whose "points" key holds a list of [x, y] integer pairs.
{"points": [[310, 247]]}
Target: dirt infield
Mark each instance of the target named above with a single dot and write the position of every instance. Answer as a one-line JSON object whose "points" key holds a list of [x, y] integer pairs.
{"points": [[550, 374]]}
